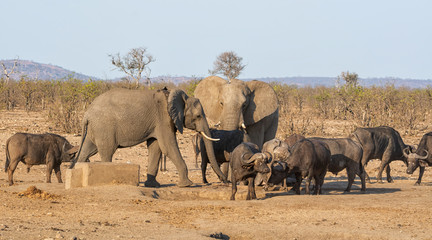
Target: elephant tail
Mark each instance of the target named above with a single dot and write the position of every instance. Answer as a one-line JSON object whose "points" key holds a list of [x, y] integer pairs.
{"points": [[84, 135], [7, 156]]}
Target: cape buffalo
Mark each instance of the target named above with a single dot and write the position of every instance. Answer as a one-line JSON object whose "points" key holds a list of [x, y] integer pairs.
{"points": [[345, 153], [383, 143], [309, 159], [421, 157], [279, 150], [292, 139], [36, 149], [246, 161]]}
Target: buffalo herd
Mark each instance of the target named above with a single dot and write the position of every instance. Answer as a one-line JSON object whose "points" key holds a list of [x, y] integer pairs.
{"points": [[285, 162]]}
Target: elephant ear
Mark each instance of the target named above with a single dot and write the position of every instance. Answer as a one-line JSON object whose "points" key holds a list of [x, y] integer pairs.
{"points": [[263, 102], [176, 106], [207, 91]]}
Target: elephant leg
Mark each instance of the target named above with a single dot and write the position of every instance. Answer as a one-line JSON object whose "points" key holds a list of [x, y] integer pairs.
{"points": [[204, 161], [154, 157], [173, 153], [106, 149], [255, 134]]}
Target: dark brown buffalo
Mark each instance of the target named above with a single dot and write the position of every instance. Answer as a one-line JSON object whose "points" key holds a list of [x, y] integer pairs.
{"points": [[421, 157], [292, 139], [246, 161], [36, 149], [384, 143], [228, 141], [309, 159], [345, 153]]}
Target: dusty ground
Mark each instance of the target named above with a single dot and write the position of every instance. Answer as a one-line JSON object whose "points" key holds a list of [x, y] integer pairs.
{"points": [[386, 211]]}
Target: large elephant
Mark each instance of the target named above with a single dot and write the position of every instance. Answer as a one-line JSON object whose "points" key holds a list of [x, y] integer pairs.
{"points": [[123, 118], [252, 106]]}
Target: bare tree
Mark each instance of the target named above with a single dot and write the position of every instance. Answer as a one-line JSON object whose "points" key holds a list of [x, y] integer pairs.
{"points": [[229, 64], [134, 63], [7, 73], [10, 104]]}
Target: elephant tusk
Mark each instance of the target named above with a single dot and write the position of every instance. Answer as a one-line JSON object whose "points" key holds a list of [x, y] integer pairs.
{"points": [[209, 138], [243, 126]]}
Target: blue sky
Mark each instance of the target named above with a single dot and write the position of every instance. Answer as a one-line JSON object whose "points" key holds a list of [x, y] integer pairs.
{"points": [[374, 38]]}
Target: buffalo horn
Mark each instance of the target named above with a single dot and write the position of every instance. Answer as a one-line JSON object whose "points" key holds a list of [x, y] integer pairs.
{"points": [[247, 159], [423, 157]]}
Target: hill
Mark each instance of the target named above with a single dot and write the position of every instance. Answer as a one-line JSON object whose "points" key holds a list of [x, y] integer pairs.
{"points": [[48, 71], [41, 71]]}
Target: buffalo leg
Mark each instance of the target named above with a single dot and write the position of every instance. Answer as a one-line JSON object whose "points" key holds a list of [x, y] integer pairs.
{"points": [[307, 187], [297, 184], [58, 174], [224, 168], [389, 178], [50, 167], [351, 176], [234, 186], [11, 170], [420, 175], [317, 189], [385, 161], [251, 189]]}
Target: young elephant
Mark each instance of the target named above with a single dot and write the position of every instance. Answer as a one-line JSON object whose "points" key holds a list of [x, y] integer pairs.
{"points": [[246, 161], [228, 141], [36, 149]]}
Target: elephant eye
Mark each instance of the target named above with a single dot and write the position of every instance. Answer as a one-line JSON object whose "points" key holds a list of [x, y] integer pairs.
{"points": [[221, 103]]}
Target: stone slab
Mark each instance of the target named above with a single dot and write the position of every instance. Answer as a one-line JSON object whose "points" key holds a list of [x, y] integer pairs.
{"points": [[102, 173]]}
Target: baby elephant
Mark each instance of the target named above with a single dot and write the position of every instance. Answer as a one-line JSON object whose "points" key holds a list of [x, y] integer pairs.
{"points": [[36, 149], [246, 161], [229, 140]]}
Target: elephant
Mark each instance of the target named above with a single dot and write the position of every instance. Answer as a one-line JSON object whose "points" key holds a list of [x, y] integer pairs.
{"points": [[123, 118], [251, 106]]}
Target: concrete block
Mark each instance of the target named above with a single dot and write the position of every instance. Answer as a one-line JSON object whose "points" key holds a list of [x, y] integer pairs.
{"points": [[102, 173]]}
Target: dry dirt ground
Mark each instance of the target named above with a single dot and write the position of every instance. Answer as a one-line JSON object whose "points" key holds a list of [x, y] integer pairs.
{"points": [[396, 210]]}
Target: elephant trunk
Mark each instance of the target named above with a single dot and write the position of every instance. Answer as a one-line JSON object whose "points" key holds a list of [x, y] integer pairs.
{"points": [[234, 121], [211, 155]]}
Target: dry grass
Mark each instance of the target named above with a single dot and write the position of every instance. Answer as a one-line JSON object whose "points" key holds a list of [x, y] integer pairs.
{"points": [[306, 111]]}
